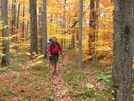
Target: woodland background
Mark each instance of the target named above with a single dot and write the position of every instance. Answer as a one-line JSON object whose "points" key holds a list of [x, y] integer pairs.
{"points": [[95, 36], [62, 22]]}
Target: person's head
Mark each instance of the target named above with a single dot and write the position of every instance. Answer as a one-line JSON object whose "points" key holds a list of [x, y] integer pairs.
{"points": [[54, 39]]}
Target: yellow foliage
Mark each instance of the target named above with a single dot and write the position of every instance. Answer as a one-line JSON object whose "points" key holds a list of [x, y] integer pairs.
{"points": [[60, 23], [133, 66], [38, 62], [90, 85], [35, 61]]}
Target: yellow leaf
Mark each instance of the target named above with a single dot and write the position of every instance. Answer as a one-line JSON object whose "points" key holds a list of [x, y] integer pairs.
{"points": [[28, 53], [133, 66], [90, 86], [39, 57]]}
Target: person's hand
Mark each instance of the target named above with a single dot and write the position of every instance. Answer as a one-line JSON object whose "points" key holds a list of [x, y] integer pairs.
{"points": [[49, 55], [62, 53]]}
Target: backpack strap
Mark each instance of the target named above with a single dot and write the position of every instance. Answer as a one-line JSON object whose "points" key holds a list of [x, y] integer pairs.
{"points": [[58, 45], [55, 45]]}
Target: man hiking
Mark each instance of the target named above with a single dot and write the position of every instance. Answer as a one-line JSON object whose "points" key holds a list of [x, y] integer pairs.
{"points": [[53, 51]]}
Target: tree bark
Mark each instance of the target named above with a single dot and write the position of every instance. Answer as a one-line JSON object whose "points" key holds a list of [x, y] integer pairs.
{"points": [[133, 41], [17, 22], [5, 44], [33, 24], [44, 30], [73, 42], [96, 20], [92, 34], [80, 34], [122, 66], [23, 25], [64, 15], [14, 16], [40, 27], [64, 40]]}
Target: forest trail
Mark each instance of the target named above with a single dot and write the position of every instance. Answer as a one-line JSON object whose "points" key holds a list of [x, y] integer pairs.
{"points": [[62, 90], [59, 85], [70, 83]]}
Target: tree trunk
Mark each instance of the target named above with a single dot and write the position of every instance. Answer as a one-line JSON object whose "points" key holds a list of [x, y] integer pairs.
{"points": [[17, 22], [133, 41], [73, 42], [40, 20], [14, 16], [5, 44], [23, 25], [62, 44], [92, 34], [27, 29], [33, 23], [96, 28], [44, 30], [96, 20], [64, 40], [80, 34], [64, 15], [122, 66]]}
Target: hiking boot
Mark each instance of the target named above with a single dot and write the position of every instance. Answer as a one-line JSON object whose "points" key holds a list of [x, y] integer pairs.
{"points": [[53, 72]]}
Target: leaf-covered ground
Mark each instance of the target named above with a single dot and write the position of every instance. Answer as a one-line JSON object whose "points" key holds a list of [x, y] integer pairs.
{"points": [[22, 81]]}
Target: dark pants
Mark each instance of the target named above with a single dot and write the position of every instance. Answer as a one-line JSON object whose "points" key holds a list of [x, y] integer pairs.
{"points": [[54, 58]]}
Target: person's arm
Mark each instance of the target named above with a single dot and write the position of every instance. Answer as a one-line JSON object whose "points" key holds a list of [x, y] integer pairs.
{"points": [[49, 47], [61, 51]]}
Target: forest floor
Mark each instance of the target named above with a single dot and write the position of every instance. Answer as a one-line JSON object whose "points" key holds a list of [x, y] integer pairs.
{"points": [[22, 81]]}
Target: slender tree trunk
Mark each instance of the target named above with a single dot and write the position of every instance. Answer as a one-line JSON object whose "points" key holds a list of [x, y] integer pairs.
{"points": [[62, 44], [40, 20], [80, 34], [122, 67], [64, 39], [44, 30], [33, 20], [92, 34], [27, 28], [73, 37], [23, 25], [73, 42], [95, 33], [96, 20], [5, 44], [91, 25], [17, 23], [64, 15], [14, 16], [18, 16]]}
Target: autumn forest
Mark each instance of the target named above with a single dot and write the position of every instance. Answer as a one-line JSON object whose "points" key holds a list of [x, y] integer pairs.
{"points": [[94, 37]]}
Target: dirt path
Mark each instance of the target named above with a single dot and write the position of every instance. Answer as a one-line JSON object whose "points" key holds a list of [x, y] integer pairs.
{"points": [[60, 88], [59, 85]]}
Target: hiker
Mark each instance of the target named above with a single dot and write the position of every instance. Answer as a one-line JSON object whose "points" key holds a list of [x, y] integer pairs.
{"points": [[53, 50]]}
